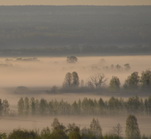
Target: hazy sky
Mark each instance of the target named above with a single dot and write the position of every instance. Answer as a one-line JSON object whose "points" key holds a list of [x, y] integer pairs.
{"points": [[75, 2]]}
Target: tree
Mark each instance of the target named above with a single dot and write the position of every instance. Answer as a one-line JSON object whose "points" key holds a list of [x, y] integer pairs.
{"points": [[127, 67], [21, 106], [74, 132], [75, 79], [96, 81], [95, 128], [56, 125], [43, 106], [26, 105], [5, 107], [58, 130], [114, 83], [146, 79], [117, 130], [132, 130], [72, 59], [71, 80], [132, 81], [68, 80], [33, 106]]}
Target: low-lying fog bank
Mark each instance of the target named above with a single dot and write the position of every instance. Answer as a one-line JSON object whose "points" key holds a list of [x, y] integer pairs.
{"points": [[50, 71]]}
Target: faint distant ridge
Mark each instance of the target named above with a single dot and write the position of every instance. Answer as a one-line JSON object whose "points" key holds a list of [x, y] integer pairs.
{"points": [[75, 30]]}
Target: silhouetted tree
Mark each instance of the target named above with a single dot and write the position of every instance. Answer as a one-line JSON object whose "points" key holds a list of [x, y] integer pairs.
{"points": [[75, 79], [114, 83], [132, 82], [132, 130], [26, 105], [146, 79], [71, 80], [33, 106], [21, 106], [68, 80], [96, 81], [58, 130], [95, 128], [43, 106]]}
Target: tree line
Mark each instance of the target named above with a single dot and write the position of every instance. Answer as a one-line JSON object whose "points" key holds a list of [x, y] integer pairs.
{"points": [[72, 131], [133, 82], [31, 106], [87, 106]]}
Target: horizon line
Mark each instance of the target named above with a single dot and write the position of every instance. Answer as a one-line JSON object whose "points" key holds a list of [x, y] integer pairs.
{"points": [[72, 5]]}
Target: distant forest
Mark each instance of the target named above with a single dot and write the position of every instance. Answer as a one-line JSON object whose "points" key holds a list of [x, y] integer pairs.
{"points": [[75, 30]]}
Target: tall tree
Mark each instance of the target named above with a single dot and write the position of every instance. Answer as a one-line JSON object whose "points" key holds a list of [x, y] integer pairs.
{"points": [[132, 130], [75, 79], [33, 106], [21, 106], [26, 105], [95, 128], [68, 80]]}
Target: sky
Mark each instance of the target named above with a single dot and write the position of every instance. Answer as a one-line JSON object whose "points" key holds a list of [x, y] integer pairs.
{"points": [[75, 2]]}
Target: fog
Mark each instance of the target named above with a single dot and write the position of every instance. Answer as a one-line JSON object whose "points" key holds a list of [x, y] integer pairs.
{"points": [[50, 71], [41, 73]]}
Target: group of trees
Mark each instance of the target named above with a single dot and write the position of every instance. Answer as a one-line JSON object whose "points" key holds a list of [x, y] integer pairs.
{"points": [[86, 106], [72, 131], [117, 67], [71, 80], [133, 81]]}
